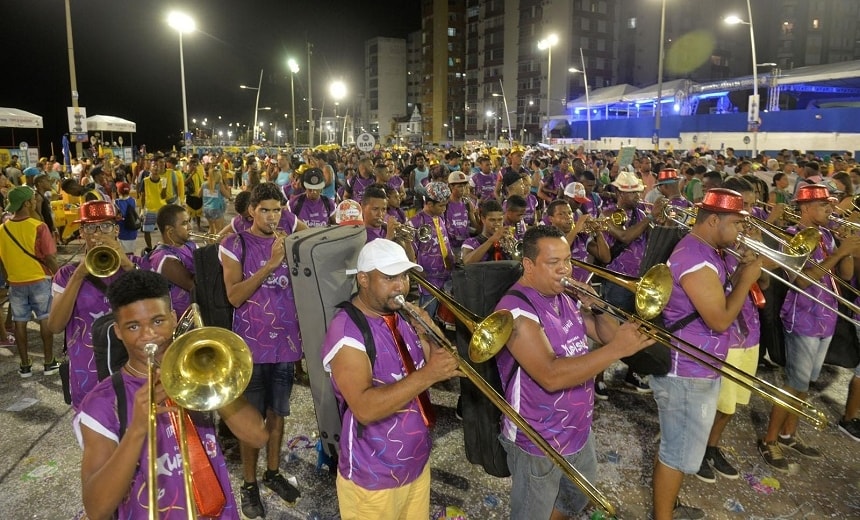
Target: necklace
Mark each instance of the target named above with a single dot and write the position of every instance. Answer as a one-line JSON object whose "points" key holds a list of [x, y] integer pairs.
{"points": [[135, 372]]}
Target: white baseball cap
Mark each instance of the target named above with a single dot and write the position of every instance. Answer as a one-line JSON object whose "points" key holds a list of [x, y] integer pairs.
{"points": [[384, 256]]}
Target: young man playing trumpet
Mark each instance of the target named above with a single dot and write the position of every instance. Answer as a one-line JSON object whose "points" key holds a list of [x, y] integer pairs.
{"points": [[80, 298], [115, 462], [258, 285]]}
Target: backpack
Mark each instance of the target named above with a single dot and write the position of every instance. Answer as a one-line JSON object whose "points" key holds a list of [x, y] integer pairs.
{"points": [[360, 321], [300, 201], [131, 218], [210, 292]]}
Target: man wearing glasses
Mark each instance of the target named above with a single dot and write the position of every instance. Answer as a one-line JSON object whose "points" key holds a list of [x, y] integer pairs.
{"points": [[79, 297]]}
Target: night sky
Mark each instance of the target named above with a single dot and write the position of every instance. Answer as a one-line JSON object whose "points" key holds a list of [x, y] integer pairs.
{"points": [[127, 59]]}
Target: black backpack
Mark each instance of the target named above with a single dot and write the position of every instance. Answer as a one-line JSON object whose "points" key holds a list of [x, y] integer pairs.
{"points": [[210, 292]]}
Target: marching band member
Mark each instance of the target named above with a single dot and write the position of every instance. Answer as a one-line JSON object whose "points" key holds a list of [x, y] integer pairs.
{"points": [[585, 245], [487, 246], [435, 255], [708, 298]]}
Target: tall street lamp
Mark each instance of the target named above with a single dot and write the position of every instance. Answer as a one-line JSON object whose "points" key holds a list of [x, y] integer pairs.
{"points": [[294, 68], [337, 91], [183, 24], [752, 112], [548, 43], [574, 70], [257, 102]]}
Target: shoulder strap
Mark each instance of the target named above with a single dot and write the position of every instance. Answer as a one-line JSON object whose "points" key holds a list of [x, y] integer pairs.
{"points": [[519, 294], [327, 203], [300, 201], [360, 320], [97, 282], [121, 405]]}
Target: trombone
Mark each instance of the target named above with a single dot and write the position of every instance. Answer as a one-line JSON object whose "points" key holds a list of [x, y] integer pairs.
{"points": [[488, 338], [800, 246], [203, 369], [770, 392], [212, 238]]}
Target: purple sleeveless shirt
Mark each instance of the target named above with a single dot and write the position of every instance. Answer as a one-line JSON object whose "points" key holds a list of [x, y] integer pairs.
{"points": [[184, 254], [429, 254], [563, 418], [485, 185], [457, 222], [627, 262], [800, 314], [393, 451], [268, 321], [98, 412]]}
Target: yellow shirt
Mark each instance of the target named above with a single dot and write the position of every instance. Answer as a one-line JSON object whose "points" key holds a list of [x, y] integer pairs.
{"points": [[176, 180], [21, 268], [152, 190]]}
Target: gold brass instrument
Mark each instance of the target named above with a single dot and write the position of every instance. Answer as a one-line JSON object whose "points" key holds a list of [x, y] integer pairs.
{"points": [[212, 238], [408, 232], [596, 225], [774, 394], [281, 235], [652, 291], [792, 262], [512, 247], [681, 216], [102, 261], [203, 369], [488, 338]]}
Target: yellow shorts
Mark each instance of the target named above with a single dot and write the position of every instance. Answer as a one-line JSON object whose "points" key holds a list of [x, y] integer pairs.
{"points": [[733, 394], [405, 502]]}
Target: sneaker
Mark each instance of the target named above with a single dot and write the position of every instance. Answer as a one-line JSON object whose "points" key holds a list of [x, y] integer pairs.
{"points": [[771, 452], [850, 428], [600, 391], [799, 446], [25, 371], [721, 466], [8, 341], [705, 473], [52, 368], [685, 512], [252, 506], [637, 382], [282, 488]]}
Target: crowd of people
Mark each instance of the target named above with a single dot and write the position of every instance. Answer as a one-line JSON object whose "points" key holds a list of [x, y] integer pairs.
{"points": [[431, 211]]}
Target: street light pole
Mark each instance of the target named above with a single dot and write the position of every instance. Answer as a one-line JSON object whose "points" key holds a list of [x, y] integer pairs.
{"points": [[548, 43], [257, 105], [182, 23], [753, 108], [659, 109], [587, 101], [294, 68]]}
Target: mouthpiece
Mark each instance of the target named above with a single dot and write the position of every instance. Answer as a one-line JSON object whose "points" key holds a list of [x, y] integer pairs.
{"points": [[150, 349], [567, 282], [400, 300]]}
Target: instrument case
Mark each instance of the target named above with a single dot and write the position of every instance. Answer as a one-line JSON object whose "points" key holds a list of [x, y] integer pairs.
{"points": [[318, 260]]}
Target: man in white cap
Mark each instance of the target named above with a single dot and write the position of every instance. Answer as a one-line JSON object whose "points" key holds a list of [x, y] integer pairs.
{"points": [[382, 368]]}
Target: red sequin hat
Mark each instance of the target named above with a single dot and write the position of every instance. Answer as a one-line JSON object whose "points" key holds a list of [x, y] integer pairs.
{"points": [[721, 200], [812, 193], [667, 175], [97, 211]]}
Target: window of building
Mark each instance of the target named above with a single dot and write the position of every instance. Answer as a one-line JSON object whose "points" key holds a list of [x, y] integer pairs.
{"points": [[631, 23], [601, 26], [452, 31], [816, 23], [450, 62], [601, 45], [585, 24], [787, 28]]}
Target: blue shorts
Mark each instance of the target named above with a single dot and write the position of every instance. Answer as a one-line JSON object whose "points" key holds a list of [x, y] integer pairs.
{"points": [[148, 221], [270, 387], [804, 356], [687, 407], [27, 300], [538, 485]]}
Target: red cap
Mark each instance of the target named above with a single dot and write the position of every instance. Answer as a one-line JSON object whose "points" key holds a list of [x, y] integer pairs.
{"points": [[667, 175], [97, 211], [813, 192], [721, 200]]}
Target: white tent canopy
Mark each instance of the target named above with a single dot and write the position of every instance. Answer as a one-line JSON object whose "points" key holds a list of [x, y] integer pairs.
{"points": [[110, 124], [14, 118]]}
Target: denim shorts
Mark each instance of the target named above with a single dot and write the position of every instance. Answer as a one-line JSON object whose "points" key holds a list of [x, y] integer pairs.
{"points": [[687, 407], [538, 485], [27, 300], [270, 387], [804, 356]]}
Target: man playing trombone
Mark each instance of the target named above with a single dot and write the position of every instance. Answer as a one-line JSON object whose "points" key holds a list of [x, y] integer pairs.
{"points": [[381, 369], [114, 462], [547, 374], [708, 298], [809, 326]]}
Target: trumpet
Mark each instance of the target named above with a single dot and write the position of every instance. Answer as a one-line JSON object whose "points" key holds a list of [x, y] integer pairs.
{"points": [[203, 369], [212, 238], [766, 390], [512, 247], [407, 232], [102, 261], [488, 338]]}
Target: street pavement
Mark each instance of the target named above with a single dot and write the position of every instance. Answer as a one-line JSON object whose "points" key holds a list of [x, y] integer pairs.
{"points": [[40, 458]]}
